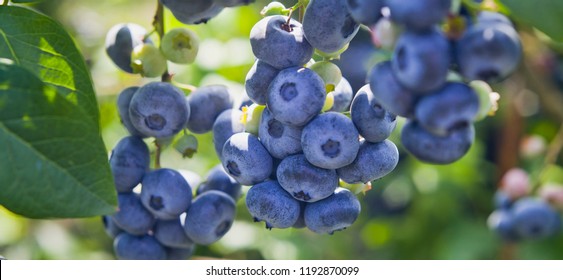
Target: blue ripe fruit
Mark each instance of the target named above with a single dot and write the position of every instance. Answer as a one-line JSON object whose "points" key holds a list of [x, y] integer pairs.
{"points": [[343, 95], [206, 104], [374, 161], [304, 181], [420, 14], [421, 61], [280, 44], [226, 125], [337, 212], [166, 193], [268, 202], [131, 247], [258, 79], [170, 233], [129, 161], [435, 149], [210, 217], [132, 216], [328, 25], [193, 11], [330, 141], [279, 139], [535, 219], [123, 101], [159, 110], [296, 96], [373, 122], [455, 105], [366, 12], [179, 253], [389, 92], [111, 228], [120, 42], [246, 159], [502, 223], [219, 180]]}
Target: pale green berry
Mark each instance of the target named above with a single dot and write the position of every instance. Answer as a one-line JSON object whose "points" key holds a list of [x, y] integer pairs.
{"points": [[329, 101], [273, 9], [180, 45], [147, 60], [329, 72]]}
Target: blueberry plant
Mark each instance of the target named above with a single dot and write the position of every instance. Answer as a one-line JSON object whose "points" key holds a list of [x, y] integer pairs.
{"points": [[339, 93]]}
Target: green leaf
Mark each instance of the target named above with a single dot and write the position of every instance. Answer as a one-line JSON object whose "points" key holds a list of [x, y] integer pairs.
{"points": [[25, 1], [53, 163], [42, 46], [545, 15]]}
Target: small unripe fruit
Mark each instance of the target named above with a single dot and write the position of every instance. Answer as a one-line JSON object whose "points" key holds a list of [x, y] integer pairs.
{"points": [[180, 45], [148, 61]]}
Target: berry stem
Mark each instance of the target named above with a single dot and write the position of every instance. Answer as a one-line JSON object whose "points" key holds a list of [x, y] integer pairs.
{"points": [[158, 24], [6, 2], [157, 155], [553, 152]]}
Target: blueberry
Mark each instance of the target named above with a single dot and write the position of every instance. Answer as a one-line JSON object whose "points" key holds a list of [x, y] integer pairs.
{"points": [[489, 18], [246, 159], [488, 52], [453, 106], [159, 110], [343, 95], [179, 253], [503, 201], [535, 219], [111, 228], [210, 217], [279, 139], [337, 212], [328, 25], [120, 42], [330, 141], [258, 79], [166, 193], [193, 11], [300, 223], [374, 161], [366, 12], [304, 181], [280, 44], [218, 179], [226, 125], [296, 95], [435, 149], [245, 101], [502, 223], [389, 92], [171, 233], [123, 101], [132, 216], [373, 122], [420, 61], [355, 62], [129, 161], [419, 15], [268, 202], [131, 247], [206, 104]]}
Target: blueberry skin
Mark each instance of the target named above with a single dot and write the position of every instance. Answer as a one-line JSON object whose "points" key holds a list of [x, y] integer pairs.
{"points": [[159, 110], [535, 219], [488, 52], [210, 217], [121, 39], [330, 141], [111, 228], [502, 223], [419, 15], [179, 253], [300, 223], [389, 92], [343, 95], [419, 62], [328, 25], [193, 11], [206, 104], [279, 139], [453, 106], [258, 79], [246, 159], [489, 17], [435, 149], [304, 181], [366, 12], [129, 162], [170, 233], [218, 179], [132, 216], [503, 201], [374, 161], [296, 96], [373, 122], [226, 125], [273, 44], [268, 202], [123, 101], [131, 247], [337, 212], [166, 193], [356, 61]]}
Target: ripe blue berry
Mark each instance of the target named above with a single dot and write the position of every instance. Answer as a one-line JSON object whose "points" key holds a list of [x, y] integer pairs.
{"points": [[129, 161], [373, 122], [246, 159], [337, 212], [268, 202], [279, 139], [374, 161], [131, 247], [166, 193], [210, 217]]}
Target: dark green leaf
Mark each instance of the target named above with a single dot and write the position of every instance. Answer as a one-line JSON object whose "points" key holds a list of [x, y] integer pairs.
{"points": [[53, 163], [545, 15]]}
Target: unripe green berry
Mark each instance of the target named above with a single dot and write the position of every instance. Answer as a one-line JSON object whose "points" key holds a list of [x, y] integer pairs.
{"points": [[273, 9], [148, 61], [329, 72], [180, 45]]}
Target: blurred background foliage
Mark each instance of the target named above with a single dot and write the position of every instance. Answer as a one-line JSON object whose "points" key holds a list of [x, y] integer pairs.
{"points": [[419, 211]]}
